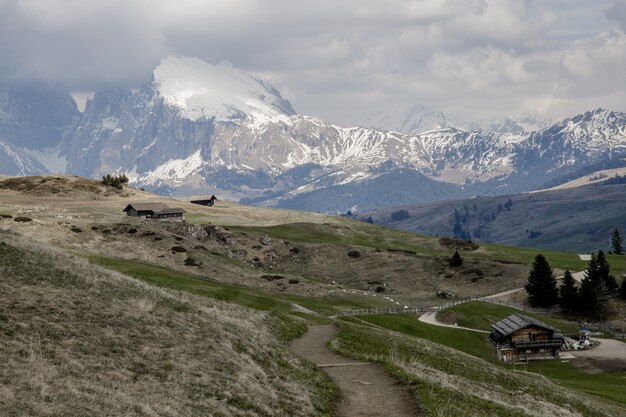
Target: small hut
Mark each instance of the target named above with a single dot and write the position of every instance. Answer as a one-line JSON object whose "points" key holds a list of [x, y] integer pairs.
{"points": [[521, 338]]}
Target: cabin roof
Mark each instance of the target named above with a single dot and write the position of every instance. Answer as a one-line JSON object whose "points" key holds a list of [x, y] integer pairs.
{"points": [[202, 197], [515, 322], [146, 206], [170, 211]]}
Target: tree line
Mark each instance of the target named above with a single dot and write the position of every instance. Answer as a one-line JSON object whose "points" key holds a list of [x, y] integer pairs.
{"points": [[587, 299]]}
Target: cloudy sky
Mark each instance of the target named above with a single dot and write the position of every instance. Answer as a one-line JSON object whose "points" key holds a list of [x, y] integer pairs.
{"points": [[343, 60]]}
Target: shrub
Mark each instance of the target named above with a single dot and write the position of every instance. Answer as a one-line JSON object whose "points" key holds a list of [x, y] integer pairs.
{"points": [[354, 254], [76, 229], [116, 181], [5, 216], [294, 281], [192, 262], [456, 260], [178, 249], [22, 219]]}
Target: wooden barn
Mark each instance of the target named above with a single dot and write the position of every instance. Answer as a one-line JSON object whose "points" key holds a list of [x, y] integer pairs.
{"points": [[203, 200], [158, 211], [169, 214], [519, 338]]}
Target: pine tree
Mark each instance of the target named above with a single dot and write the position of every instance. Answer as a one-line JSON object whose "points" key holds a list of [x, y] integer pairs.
{"points": [[623, 289], [541, 285], [597, 282], [568, 293], [604, 271], [456, 260], [616, 242]]}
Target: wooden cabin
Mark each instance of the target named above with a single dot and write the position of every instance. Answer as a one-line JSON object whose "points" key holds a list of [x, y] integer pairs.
{"points": [[177, 214], [145, 210], [519, 338], [203, 200], [157, 211]]}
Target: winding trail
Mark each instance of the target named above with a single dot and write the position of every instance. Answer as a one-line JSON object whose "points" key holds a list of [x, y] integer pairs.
{"points": [[366, 390], [430, 317]]}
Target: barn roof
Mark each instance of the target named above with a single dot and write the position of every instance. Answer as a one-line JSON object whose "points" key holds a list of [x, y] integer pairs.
{"points": [[146, 206], [170, 211], [516, 322]]}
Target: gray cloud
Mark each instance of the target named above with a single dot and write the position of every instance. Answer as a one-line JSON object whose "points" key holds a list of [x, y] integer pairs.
{"points": [[339, 60]]}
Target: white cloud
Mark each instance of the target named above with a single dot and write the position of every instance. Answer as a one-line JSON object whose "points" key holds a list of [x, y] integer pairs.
{"points": [[339, 60]]}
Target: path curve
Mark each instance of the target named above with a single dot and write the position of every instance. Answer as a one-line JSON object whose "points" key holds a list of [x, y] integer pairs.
{"points": [[366, 390], [430, 317]]}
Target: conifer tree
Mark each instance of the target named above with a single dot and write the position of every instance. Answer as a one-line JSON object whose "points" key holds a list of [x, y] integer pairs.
{"points": [[604, 271], [616, 242], [541, 285], [623, 289], [568, 293]]}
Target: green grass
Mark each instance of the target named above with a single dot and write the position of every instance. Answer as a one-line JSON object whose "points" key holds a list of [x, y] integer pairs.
{"points": [[479, 315], [244, 296], [605, 385], [466, 341]]}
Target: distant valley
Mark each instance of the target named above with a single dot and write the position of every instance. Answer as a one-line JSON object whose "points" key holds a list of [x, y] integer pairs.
{"points": [[578, 219]]}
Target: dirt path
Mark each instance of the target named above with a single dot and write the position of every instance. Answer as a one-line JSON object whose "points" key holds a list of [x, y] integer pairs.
{"points": [[430, 317], [366, 389]]}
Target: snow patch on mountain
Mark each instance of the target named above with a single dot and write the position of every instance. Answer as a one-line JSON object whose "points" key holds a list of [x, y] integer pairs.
{"points": [[411, 120], [202, 90], [14, 161], [175, 171], [527, 122]]}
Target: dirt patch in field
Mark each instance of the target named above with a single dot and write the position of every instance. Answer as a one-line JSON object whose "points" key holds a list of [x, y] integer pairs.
{"points": [[450, 317], [601, 365], [456, 244]]}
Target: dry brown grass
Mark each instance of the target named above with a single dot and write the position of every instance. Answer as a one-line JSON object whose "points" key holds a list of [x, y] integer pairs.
{"points": [[78, 340]]}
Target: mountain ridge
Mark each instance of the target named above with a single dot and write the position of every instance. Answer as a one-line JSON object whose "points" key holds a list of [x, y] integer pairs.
{"points": [[198, 127]]}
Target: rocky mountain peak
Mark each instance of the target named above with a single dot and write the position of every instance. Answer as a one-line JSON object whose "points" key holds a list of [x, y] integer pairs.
{"points": [[199, 90]]}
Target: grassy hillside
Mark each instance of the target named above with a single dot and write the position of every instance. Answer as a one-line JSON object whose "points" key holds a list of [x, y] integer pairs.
{"points": [[77, 340], [577, 219]]}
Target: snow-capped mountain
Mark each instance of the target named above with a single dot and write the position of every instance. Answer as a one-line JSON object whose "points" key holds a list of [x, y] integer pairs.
{"points": [[528, 122], [197, 127], [411, 120], [14, 161]]}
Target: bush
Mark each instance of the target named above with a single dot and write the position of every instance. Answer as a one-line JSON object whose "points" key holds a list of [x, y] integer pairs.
{"points": [[178, 249], [5, 216], [354, 254], [192, 262], [116, 181], [294, 281], [76, 229], [456, 260], [22, 219]]}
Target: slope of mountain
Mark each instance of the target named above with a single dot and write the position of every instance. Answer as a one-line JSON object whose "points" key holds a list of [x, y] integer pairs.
{"points": [[574, 219], [504, 124], [14, 161], [34, 117], [411, 120]]}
